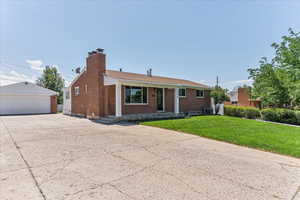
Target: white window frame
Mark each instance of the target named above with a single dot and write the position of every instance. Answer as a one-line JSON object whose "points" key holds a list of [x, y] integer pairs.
{"points": [[125, 103], [76, 91], [184, 92], [201, 97]]}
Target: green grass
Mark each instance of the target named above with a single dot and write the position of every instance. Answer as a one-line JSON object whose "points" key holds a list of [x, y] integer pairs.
{"points": [[261, 135]]}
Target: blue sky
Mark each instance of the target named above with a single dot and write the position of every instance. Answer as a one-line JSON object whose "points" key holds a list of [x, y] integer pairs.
{"points": [[195, 40]]}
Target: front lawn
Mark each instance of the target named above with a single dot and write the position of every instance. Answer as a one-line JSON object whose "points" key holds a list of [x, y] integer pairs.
{"points": [[261, 135]]}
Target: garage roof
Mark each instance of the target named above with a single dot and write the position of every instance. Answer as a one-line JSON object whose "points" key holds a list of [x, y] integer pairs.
{"points": [[25, 88]]}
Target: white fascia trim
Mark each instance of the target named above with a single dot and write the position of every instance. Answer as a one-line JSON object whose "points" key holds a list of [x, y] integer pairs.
{"points": [[77, 77], [112, 81]]}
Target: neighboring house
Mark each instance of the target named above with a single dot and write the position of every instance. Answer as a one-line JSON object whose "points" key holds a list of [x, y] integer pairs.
{"points": [[97, 92], [67, 100], [241, 97], [26, 98]]}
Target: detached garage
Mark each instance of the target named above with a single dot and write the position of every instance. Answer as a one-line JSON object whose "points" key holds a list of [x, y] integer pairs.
{"points": [[27, 98]]}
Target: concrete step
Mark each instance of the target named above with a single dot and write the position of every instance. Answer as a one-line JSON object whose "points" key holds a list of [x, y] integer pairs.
{"points": [[139, 117]]}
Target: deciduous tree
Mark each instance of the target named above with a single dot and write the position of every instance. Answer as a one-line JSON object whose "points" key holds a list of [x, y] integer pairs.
{"points": [[52, 80]]}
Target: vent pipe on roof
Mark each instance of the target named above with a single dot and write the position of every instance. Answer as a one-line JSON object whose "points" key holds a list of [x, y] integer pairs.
{"points": [[120, 70], [77, 70], [149, 72], [99, 50]]}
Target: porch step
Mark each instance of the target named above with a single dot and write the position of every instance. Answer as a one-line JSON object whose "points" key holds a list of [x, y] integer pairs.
{"points": [[139, 117], [204, 111]]}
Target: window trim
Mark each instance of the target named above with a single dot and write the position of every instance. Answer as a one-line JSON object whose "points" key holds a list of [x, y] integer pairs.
{"points": [[75, 93], [125, 103], [179, 92], [200, 97]]}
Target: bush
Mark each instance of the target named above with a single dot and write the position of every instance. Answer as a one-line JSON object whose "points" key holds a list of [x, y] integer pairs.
{"points": [[239, 111], [297, 114], [270, 114], [252, 113], [281, 115]]}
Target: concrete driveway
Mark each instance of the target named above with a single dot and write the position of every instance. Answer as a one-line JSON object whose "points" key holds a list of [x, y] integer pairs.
{"points": [[62, 157]]}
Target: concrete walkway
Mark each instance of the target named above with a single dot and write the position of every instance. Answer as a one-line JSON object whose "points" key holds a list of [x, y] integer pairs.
{"points": [[61, 157]]}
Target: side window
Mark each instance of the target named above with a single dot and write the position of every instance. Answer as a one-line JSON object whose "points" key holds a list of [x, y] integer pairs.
{"points": [[182, 92], [200, 93], [77, 92]]}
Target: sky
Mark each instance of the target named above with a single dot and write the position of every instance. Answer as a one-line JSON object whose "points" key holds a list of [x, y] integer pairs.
{"points": [[196, 40]]}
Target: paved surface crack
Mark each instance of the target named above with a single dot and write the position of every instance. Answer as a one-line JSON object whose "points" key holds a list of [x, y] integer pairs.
{"points": [[296, 193], [116, 188], [181, 181], [288, 165], [25, 161]]}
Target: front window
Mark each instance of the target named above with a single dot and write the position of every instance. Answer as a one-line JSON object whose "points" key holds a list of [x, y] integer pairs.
{"points": [[182, 92], [200, 93], [135, 95]]}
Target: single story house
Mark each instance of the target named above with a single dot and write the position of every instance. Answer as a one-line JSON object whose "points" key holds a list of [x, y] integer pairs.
{"points": [[27, 98], [98, 92]]}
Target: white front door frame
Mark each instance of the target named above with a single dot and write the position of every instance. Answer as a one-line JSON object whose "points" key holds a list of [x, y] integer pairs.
{"points": [[118, 99], [164, 107], [176, 100]]}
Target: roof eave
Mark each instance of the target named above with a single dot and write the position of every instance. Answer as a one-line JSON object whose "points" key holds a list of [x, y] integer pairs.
{"points": [[154, 84]]}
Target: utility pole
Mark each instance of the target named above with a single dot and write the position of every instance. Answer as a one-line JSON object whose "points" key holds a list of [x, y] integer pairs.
{"points": [[217, 81]]}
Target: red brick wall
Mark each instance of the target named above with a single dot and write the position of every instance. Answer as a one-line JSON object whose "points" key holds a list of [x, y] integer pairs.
{"points": [[79, 103], [91, 100], [189, 103], [110, 100], [150, 107], [243, 97], [53, 102], [192, 103], [95, 82]]}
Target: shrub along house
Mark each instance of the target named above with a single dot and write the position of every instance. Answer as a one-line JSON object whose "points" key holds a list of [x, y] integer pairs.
{"points": [[97, 92]]}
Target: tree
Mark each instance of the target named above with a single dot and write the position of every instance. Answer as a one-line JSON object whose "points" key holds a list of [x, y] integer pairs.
{"points": [[52, 80], [219, 96], [277, 83]]}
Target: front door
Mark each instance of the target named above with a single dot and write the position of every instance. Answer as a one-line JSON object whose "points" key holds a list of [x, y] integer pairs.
{"points": [[160, 99]]}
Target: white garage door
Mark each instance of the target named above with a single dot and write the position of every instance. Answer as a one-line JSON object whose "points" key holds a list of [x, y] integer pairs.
{"points": [[10, 105]]}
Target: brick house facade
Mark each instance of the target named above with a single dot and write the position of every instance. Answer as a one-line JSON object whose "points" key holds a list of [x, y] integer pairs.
{"points": [[241, 97], [97, 92]]}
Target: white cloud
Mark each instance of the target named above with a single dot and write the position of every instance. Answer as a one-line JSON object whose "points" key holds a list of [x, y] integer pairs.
{"points": [[12, 76], [35, 64], [232, 84], [247, 81]]}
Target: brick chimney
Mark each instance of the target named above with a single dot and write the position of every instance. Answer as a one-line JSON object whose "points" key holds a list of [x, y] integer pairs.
{"points": [[95, 69]]}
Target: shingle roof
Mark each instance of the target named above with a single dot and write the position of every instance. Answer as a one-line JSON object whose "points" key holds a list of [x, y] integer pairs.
{"points": [[25, 88], [152, 79]]}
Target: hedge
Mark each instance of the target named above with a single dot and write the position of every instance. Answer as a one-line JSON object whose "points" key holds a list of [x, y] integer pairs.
{"points": [[281, 115], [240, 111]]}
